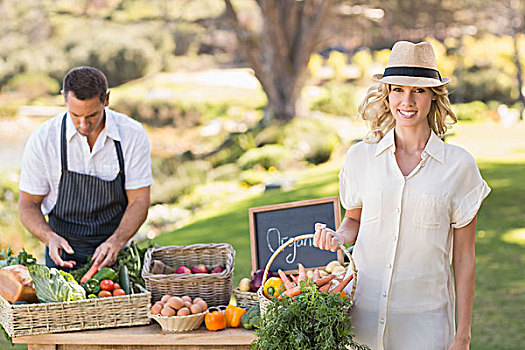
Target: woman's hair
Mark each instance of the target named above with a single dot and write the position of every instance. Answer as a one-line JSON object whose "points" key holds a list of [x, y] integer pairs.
{"points": [[375, 110]]}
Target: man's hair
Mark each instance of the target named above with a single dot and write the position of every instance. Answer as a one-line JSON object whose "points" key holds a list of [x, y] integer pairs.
{"points": [[86, 83]]}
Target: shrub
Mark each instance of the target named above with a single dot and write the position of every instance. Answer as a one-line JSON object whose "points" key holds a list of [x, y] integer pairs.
{"points": [[253, 177], [474, 111], [266, 156], [338, 99], [32, 85], [226, 172], [311, 139]]}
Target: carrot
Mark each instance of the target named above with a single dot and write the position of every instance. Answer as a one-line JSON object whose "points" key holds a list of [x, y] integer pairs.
{"points": [[295, 279], [317, 275], [287, 283], [302, 272], [295, 291], [89, 275], [342, 285], [325, 287], [324, 280]]}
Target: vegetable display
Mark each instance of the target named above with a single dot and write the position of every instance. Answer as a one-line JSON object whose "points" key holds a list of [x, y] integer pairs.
{"points": [[310, 320], [54, 285]]}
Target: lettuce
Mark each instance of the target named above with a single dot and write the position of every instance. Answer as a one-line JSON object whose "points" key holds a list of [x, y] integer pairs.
{"points": [[54, 285]]}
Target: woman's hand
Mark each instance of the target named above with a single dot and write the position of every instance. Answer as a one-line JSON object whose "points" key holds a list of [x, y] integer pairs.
{"points": [[325, 238], [458, 344]]}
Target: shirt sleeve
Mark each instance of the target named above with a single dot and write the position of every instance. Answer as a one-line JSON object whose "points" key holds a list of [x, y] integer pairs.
{"points": [[32, 170], [347, 190], [138, 166], [469, 195]]}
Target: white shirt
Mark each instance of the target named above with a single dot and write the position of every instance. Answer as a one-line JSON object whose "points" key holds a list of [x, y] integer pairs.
{"points": [[403, 250], [41, 164]]}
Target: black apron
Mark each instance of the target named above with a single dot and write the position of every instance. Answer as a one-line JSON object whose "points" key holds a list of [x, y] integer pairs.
{"points": [[88, 209]]}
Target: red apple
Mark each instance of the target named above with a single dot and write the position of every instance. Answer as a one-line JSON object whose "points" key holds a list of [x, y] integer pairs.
{"points": [[183, 269], [218, 269], [200, 268]]}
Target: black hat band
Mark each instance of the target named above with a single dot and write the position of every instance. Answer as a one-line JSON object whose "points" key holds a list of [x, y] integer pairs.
{"points": [[412, 72]]}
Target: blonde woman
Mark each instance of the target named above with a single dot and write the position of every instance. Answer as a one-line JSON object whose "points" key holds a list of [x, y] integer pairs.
{"points": [[411, 205]]}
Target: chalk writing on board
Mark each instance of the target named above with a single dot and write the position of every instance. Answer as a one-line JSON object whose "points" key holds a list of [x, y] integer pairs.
{"points": [[274, 241]]}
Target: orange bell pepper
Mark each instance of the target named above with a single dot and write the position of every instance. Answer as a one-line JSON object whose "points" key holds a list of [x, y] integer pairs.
{"points": [[215, 321], [233, 315]]}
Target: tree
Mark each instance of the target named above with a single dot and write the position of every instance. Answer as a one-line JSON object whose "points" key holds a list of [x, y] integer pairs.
{"points": [[280, 51]]}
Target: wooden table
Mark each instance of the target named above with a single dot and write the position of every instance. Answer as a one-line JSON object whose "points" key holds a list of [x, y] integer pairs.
{"points": [[149, 337]]}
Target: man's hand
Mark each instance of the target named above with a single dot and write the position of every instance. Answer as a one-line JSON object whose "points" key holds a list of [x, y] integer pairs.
{"points": [[106, 253], [57, 245]]}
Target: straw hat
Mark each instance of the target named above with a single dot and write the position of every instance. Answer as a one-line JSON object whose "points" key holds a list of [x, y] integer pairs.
{"points": [[412, 64]]}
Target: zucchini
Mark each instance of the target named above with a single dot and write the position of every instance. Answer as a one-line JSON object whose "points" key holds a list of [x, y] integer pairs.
{"points": [[124, 279]]}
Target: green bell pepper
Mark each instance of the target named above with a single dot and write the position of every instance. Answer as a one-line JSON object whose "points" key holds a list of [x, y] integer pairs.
{"points": [[92, 286], [106, 273]]}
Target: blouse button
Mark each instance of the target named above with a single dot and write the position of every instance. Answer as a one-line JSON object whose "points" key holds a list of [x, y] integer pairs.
{"points": [[382, 320], [384, 294], [389, 266]]}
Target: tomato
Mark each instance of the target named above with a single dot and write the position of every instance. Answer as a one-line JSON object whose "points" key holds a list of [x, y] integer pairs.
{"points": [[116, 286], [118, 291], [104, 294], [107, 285]]}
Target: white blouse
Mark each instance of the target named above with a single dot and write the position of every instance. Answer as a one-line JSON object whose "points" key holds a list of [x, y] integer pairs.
{"points": [[405, 296], [41, 162]]}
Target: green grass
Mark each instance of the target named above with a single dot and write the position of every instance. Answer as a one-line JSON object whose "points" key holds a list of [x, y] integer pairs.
{"points": [[498, 317]]}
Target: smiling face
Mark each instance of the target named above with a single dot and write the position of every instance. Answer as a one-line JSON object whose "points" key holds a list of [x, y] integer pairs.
{"points": [[410, 105], [87, 115]]}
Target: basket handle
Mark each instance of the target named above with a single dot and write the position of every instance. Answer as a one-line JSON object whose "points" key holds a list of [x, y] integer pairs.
{"points": [[306, 236]]}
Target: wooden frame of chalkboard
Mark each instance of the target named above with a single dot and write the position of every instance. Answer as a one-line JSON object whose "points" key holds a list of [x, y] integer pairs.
{"points": [[272, 225]]}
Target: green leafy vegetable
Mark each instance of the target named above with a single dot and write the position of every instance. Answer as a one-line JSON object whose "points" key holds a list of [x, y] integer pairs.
{"points": [[252, 318], [54, 285], [23, 258], [312, 320], [133, 257]]}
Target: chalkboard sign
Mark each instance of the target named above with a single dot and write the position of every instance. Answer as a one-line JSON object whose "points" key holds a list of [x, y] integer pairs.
{"points": [[273, 225]]}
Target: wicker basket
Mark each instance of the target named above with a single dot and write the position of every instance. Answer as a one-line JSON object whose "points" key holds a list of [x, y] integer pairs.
{"points": [[31, 319], [245, 299], [214, 288], [264, 301], [179, 323]]}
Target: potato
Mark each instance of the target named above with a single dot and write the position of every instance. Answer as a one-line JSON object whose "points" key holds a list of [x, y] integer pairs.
{"points": [[339, 270], [195, 309], [323, 273], [175, 302], [165, 298], [186, 298], [197, 299], [183, 312], [331, 265], [203, 305], [188, 304], [156, 309], [167, 311]]}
